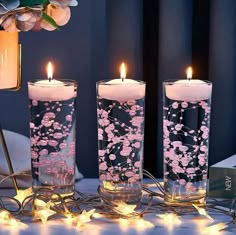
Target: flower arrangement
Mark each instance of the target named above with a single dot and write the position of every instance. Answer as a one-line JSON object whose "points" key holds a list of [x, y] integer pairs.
{"points": [[25, 15]]}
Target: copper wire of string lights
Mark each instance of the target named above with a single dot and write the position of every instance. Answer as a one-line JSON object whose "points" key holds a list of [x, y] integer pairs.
{"points": [[45, 204]]}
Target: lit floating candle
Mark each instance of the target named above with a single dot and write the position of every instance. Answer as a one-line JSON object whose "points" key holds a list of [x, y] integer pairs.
{"points": [[122, 89], [52, 131], [51, 89], [189, 89]]}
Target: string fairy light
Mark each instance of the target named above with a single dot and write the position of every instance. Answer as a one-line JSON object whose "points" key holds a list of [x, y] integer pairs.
{"points": [[42, 207], [137, 222], [123, 208], [214, 229], [203, 212], [7, 219], [169, 219], [108, 185], [23, 194], [42, 211], [84, 217]]}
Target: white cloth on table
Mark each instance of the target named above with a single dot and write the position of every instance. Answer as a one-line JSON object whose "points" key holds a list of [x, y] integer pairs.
{"points": [[19, 149]]}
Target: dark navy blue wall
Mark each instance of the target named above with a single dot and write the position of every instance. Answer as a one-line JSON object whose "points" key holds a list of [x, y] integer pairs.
{"points": [[79, 51], [103, 33]]}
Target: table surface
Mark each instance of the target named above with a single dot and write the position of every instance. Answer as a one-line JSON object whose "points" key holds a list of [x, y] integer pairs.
{"points": [[190, 224]]}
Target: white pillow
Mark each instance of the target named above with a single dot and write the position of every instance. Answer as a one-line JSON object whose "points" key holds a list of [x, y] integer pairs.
{"points": [[19, 150]]}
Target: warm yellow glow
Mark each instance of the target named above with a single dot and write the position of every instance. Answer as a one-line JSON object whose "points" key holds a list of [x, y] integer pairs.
{"points": [[203, 212], [43, 211], [108, 185], [97, 215], [70, 218], [189, 72], [22, 194], [170, 220], [124, 209], [50, 70], [4, 216], [214, 229], [123, 71], [137, 222], [7, 219], [84, 217], [40, 203]]}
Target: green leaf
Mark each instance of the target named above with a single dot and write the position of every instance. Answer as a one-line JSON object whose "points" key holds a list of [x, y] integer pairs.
{"points": [[50, 20], [46, 2], [30, 3]]}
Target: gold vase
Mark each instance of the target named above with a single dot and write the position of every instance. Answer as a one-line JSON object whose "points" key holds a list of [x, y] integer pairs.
{"points": [[10, 61]]}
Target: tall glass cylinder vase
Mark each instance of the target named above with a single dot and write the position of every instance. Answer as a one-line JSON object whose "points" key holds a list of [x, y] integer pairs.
{"points": [[186, 127], [120, 113], [52, 134]]}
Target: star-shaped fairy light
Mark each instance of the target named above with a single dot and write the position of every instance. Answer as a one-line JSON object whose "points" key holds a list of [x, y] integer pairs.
{"points": [[214, 229], [123, 208], [7, 219], [42, 211], [22, 194], [137, 222], [84, 217], [108, 185], [203, 212], [170, 220]]}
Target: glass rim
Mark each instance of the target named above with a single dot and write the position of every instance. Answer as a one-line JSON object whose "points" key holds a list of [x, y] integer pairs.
{"points": [[65, 82], [104, 82], [197, 82]]}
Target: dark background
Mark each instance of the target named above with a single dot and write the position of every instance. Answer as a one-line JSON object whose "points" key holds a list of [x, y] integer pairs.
{"points": [[157, 39]]}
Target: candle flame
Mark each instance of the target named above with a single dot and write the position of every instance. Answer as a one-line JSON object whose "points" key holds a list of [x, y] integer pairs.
{"points": [[189, 72], [123, 71], [50, 70]]}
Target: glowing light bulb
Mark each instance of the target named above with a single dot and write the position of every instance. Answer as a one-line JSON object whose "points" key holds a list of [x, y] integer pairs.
{"points": [[84, 217], [97, 215], [4, 216], [214, 229], [138, 223], [108, 185], [170, 220], [124, 209], [7, 219], [42, 212], [22, 194], [203, 212]]}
